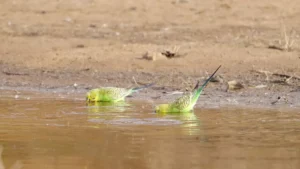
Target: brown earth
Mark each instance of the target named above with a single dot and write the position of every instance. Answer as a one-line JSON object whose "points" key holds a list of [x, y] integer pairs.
{"points": [[55, 44]]}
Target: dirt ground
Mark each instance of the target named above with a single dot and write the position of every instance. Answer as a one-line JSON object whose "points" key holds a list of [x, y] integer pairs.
{"points": [[90, 43]]}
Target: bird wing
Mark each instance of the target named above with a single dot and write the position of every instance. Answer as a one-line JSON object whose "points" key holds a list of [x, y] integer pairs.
{"points": [[183, 102], [114, 93]]}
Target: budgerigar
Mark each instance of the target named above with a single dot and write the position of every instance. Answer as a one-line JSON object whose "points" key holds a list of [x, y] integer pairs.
{"points": [[112, 94], [186, 102]]}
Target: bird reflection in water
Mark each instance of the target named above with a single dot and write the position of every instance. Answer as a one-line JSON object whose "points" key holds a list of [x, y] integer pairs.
{"points": [[190, 122], [106, 107]]}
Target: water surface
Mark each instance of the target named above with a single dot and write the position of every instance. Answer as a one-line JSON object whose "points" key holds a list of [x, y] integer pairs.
{"points": [[37, 132]]}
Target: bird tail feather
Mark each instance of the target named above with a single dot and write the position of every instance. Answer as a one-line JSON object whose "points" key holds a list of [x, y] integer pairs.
{"points": [[199, 89], [211, 76]]}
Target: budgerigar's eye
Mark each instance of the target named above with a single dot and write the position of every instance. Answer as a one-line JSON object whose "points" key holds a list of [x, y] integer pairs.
{"points": [[92, 99]]}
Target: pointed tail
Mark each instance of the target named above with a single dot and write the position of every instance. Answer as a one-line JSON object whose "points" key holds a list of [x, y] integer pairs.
{"points": [[205, 83], [142, 87], [199, 89]]}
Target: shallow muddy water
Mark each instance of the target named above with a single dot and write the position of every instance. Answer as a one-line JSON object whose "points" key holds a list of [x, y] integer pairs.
{"points": [[47, 132]]}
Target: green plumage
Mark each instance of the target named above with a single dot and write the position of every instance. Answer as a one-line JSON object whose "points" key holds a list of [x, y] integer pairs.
{"points": [[187, 101], [111, 94]]}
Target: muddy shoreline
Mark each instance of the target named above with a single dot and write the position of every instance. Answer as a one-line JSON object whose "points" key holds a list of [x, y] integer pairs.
{"points": [[74, 85]]}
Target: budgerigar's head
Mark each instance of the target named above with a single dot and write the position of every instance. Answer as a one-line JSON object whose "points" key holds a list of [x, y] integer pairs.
{"points": [[162, 108], [92, 95]]}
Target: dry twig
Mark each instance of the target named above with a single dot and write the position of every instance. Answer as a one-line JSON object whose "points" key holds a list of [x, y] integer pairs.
{"points": [[288, 41]]}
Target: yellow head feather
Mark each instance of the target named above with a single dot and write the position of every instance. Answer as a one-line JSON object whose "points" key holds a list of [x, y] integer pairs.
{"points": [[92, 95]]}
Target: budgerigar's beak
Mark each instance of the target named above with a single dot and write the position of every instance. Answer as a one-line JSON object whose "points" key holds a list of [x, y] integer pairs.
{"points": [[157, 109], [87, 99]]}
